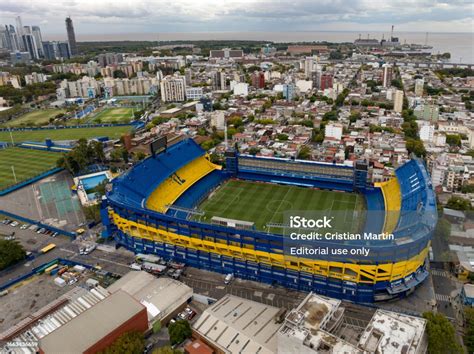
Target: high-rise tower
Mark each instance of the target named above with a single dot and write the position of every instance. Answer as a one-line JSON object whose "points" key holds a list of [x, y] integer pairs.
{"points": [[71, 36]]}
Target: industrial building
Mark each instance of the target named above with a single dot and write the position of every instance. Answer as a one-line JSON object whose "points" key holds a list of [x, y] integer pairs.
{"points": [[163, 297], [316, 325], [236, 325], [98, 327]]}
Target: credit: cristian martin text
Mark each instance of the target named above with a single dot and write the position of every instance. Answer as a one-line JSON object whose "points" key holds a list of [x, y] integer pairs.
{"points": [[345, 236]]}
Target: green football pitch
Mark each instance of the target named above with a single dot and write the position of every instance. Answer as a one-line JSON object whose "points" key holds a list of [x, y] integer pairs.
{"points": [[114, 115], [26, 164], [64, 134], [37, 117], [264, 203]]}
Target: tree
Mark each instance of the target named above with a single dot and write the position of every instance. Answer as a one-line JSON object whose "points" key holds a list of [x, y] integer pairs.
{"points": [[453, 139], [441, 334], [129, 342], [469, 335], [443, 229], [11, 252], [458, 203], [179, 331], [304, 153], [166, 350], [119, 74], [415, 146], [92, 212], [282, 137]]}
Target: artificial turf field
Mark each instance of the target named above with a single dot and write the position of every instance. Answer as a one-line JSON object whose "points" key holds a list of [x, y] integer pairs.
{"points": [[37, 117], [64, 134], [116, 115], [264, 203], [27, 164]]}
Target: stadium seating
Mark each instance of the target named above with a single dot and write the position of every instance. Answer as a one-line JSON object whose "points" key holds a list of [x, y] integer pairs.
{"points": [[138, 183], [418, 202], [392, 199], [178, 182]]}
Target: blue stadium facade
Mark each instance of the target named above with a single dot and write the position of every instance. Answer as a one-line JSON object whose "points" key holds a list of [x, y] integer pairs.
{"points": [[405, 205]]}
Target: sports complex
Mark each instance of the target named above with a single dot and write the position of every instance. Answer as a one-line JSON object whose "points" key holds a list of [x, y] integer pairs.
{"points": [[179, 205]]}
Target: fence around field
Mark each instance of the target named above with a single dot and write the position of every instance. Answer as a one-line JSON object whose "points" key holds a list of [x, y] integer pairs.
{"points": [[49, 127], [38, 223], [24, 183]]}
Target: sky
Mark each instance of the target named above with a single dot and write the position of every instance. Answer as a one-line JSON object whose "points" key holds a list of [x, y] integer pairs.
{"points": [[155, 16]]}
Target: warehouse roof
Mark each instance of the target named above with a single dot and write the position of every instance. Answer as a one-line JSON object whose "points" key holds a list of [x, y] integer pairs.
{"points": [[240, 326], [92, 325], [160, 296]]}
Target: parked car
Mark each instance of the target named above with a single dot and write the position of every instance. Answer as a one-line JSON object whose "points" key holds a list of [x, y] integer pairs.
{"points": [[24, 226], [6, 221], [182, 315], [55, 234], [41, 231], [15, 223], [228, 278]]}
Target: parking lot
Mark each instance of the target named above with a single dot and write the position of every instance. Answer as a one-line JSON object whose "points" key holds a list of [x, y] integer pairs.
{"points": [[49, 200]]}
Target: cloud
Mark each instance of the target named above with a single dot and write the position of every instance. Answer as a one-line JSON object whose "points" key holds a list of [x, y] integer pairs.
{"points": [[152, 16]]}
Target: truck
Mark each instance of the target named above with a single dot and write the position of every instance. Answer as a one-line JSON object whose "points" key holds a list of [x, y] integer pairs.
{"points": [[141, 257], [153, 268], [228, 278]]}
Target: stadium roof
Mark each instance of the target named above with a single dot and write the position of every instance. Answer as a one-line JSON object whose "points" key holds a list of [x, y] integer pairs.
{"points": [[238, 325], [160, 296], [92, 325]]}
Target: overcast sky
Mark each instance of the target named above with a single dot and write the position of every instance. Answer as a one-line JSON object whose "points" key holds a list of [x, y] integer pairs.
{"points": [[154, 16]]}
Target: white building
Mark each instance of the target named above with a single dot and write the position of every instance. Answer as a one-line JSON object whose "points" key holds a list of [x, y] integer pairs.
{"points": [[398, 101], [173, 89], [334, 130], [194, 93], [419, 83], [218, 120], [304, 85], [427, 132], [240, 88]]}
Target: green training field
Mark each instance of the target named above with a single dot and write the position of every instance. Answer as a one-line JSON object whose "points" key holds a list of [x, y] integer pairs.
{"points": [[64, 134], [35, 118], [27, 164], [114, 115], [263, 203]]}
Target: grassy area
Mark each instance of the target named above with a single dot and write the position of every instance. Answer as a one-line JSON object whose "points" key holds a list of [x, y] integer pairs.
{"points": [[34, 118], [27, 164], [64, 134], [114, 115], [262, 203]]}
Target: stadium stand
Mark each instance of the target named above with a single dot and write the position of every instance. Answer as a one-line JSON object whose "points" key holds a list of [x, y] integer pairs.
{"points": [[175, 185], [182, 176], [393, 201]]}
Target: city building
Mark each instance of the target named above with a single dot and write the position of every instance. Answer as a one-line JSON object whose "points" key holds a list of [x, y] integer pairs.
{"points": [[218, 80], [240, 88], [334, 130], [226, 54], [56, 50], [194, 93], [71, 36], [398, 101], [98, 327], [258, 79], [325, 82], [173, 89], [236, 325], [419, 84], [20, 57], [387, 75], [163, 297]]}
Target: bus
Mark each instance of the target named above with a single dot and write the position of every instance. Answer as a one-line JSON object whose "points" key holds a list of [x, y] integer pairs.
{"points": [[48, 248]]}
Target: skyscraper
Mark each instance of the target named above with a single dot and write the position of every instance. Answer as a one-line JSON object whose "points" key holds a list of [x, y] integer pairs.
{"points": [[71, 36], [387, 75], [36, 32], [398, 101]]}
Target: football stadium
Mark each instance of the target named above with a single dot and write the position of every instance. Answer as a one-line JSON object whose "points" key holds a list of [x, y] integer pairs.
{"points": [[179, 205]]}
